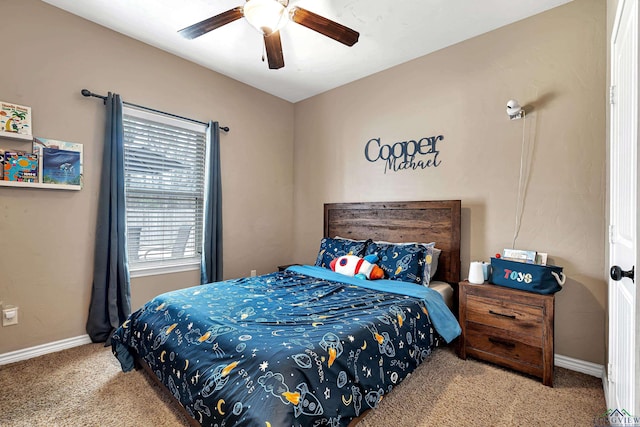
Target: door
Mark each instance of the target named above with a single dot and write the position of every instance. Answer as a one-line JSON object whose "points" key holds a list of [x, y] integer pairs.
{"points": [[624, 344]]}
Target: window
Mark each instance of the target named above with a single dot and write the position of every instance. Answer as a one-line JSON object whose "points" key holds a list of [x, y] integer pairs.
{"points": [[164, 164]]}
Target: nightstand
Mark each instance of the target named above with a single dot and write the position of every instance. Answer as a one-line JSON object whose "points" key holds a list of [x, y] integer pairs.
{"points": [[507, 327]]}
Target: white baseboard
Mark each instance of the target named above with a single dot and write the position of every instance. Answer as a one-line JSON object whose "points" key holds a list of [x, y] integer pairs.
{"points": [[578, 365], [39, 350], [605, 387]]}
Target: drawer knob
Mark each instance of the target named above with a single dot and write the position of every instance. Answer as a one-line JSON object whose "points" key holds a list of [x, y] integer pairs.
{"points": [[495, 313], [501, 342]]}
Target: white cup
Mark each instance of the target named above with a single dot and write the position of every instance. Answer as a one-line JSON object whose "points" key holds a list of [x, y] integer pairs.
{"points": [[476, 273]]}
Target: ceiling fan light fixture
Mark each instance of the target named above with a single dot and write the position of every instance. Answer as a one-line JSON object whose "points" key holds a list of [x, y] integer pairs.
{"points": [[264, 15]]}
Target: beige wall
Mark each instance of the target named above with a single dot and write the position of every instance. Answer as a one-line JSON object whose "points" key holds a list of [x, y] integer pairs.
{"points": [[555, 64], [47, 236]]}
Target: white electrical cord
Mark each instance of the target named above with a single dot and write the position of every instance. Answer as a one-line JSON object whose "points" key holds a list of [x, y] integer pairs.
{"points": [[521, 185]]}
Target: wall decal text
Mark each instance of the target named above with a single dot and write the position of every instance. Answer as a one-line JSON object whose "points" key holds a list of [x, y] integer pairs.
{"points": [[404, 155]]}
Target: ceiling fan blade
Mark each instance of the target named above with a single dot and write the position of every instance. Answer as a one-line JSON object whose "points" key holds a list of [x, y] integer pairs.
{"points": [[324, 26], [274, 50], [203, 27]]}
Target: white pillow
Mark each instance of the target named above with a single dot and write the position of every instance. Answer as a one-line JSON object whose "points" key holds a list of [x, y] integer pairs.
{"points": [[434, 260]]}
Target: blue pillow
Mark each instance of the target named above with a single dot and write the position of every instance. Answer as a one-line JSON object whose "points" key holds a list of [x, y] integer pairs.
{"points": [[331, 248], [407, 262]]}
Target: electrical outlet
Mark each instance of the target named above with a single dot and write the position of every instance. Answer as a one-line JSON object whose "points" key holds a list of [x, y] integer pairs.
{"points": [[9, 316], [254, 273]]}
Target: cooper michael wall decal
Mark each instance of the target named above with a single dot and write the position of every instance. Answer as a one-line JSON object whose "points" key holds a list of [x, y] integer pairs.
{"points": [[404, 155]]}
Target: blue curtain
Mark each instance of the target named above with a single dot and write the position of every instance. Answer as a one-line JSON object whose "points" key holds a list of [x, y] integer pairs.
{"points": [[211, 264], [111, 294]]}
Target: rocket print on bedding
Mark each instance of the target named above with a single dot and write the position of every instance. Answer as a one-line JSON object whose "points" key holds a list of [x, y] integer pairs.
{"points": [[407, 262], [283, 349]]}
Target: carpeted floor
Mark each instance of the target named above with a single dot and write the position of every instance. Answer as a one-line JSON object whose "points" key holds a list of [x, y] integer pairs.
{"points": [[84, 386]]}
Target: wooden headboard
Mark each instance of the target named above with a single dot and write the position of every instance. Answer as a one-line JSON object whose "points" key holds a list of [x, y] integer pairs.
{"points": [[402, 222]]}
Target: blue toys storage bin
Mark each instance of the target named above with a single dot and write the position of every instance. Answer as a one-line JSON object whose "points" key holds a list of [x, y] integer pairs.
{"points": [[541, 279]]}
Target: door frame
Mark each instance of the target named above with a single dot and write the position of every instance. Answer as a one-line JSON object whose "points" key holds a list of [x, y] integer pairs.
{"points": [[610, 401]]}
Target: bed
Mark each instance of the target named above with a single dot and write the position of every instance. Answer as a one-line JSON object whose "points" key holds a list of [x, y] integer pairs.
{"points": [[305, 346]]}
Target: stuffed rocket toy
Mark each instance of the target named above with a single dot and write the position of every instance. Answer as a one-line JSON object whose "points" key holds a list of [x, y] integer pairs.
{"points": [[361, 268]]}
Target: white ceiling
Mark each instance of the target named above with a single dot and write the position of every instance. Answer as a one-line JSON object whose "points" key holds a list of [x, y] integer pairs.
{"points": [[391, 32]]}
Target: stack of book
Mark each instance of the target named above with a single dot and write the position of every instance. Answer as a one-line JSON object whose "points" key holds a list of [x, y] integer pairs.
{"points": [[529, 257], [51, 162]]}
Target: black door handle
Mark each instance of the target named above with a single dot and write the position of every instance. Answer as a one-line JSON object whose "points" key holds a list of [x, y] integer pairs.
{"points": [[617, 273]]}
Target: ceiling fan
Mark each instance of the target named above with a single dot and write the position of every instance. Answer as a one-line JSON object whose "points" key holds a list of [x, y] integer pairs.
{"points": [[268, 16]]}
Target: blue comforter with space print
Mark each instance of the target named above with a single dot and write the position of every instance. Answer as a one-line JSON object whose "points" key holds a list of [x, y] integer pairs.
{"points": [[303, 347]]}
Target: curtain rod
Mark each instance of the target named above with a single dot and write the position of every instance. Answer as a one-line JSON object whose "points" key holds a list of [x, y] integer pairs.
{"points": [[88, 93]]}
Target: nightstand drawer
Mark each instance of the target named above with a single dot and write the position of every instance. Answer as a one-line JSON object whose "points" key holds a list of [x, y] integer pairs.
{"points": [[508, 327], [522, 349], [508, 315]]}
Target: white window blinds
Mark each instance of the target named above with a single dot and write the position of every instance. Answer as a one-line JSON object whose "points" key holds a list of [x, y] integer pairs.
{"points": [[164, 163]]}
